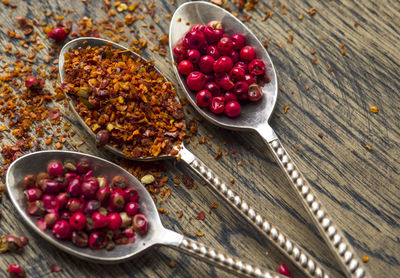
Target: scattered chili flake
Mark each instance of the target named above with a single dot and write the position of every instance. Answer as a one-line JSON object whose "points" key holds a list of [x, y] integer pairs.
{"points": [[199, 234], [296, 148], [365, 259], [201, 215], [368, 147], [301, 16], [330, 69], [115, 88], [187, 181], [290, 40], [185, 232], [240, 163], [214, 205], [374, 109], [356, 24], [312, 11], [55, 268], [280, 44], [218, 155], [315, 61], [232, 181], [286, 108], [343, 52], [171, 264], [251, 162], [180, 214], [307, 87]]}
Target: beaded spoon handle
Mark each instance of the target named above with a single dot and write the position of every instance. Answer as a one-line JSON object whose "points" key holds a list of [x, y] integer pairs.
{"points": [[301, 258]]}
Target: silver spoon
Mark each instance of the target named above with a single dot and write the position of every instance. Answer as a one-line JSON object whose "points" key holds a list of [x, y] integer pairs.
{"points": [[156, 235], [301, 258], [254, 117]]}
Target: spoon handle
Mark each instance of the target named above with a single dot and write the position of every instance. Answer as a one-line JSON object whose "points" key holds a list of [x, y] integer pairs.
{"points": [[335, 238], [228, 263], [301, 258]]}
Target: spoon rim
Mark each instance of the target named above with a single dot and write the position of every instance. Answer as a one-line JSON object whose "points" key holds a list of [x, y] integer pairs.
{"points": [[206, 114]]}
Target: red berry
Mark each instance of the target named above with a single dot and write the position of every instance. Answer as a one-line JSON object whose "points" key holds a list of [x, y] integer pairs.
{"points": [[99, 220], [197, 26], [206, 63], [58, 34], [217, 105], [223, 64], [225, 82], [225, 46], [33, 194], [103, 194], [247, 53], [212, 50], [240, 88], [130, 195], [180, 52], [15, 271], [62, 230], [213, 88], [249, 79], [62, 199], [91, 207], [241, 65], [234, 56], [213, 33], [117, 200], [97, 240], [195, 39], [284, 270], [203, 98], [51, 218], [254, 93], [55, 168], [129, 232], [132, 208], [256, 67], [237, 74], [32, 82], [78, 221], [74, 187], [140, 223], [185, 67], [229, 96], [82, 167], [193, 55], [74, 205], [114, 221], [196, 80], [89, 188], [49, 186], [238, 41], [232, 109]]}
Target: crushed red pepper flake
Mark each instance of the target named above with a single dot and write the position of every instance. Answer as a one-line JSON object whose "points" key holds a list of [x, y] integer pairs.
{"points": [[365, 258], [214, 205], [171, 264], [126, 96], [199, 234], [286, 108], [374, 109], [312, 11], [368, 147], [201, 215]]}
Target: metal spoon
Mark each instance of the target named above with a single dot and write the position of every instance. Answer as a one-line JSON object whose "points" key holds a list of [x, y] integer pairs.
{"points": [[156, 235], [291, 249], [254, 117]]}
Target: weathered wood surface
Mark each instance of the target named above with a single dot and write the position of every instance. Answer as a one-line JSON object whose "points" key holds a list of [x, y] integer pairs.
{"points": [[325, 131]]}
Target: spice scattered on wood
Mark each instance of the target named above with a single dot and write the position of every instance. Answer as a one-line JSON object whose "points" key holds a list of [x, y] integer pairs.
{"points": [[171, 264], [365, 258], [374, 109], [201, 215], [199, 234], [368, 147], [214, 205], [312, 11], [55, 268], [286, 108]]}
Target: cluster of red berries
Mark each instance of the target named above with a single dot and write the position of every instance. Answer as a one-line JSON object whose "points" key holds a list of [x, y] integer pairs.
{"points": [[222, 70], [85, 209]]}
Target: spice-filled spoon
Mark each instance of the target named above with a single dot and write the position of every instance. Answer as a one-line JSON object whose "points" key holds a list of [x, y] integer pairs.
{"points": [[301, 258], [254, 117], [156, 234]]}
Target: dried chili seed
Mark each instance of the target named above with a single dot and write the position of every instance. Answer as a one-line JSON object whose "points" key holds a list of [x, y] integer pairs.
{"points": [[125, 95]]}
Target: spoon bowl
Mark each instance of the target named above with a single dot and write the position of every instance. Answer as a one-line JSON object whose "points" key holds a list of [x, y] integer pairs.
{"points": [[156, 234], [253, 114], [36, 162]]}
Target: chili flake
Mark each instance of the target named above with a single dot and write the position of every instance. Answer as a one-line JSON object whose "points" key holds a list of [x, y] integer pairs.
{"points": [[201, 215], [374, 109], [127, 92], [365, 259], [199, 234]]}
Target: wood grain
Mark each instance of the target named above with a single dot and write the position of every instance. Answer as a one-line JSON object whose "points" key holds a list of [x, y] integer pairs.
{"points": [[325, 131]]}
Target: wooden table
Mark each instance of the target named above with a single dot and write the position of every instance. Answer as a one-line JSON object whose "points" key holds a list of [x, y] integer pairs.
{"points": [[341, 61]]}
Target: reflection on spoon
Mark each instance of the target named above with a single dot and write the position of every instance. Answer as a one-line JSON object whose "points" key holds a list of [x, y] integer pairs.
{"points": [[35, 163]]}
